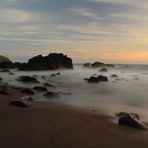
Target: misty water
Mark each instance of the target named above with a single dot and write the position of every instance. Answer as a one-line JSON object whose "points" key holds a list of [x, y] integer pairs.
{"points": [[128, 93]]}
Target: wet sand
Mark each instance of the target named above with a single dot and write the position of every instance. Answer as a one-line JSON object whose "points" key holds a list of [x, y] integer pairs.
{"points": [[49, 125]]}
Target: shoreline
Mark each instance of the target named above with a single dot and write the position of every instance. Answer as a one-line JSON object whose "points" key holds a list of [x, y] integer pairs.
{"points": [[58, 126]]}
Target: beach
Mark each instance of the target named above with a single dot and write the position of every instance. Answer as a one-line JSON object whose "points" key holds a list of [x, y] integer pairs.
{"points": [[53, 125]]}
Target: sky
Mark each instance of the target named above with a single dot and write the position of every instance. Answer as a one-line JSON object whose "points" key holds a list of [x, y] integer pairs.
{"points": [[111, 31]]}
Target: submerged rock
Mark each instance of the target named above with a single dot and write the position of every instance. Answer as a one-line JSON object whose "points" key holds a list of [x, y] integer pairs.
{"points": [[28, 79], [87, 64], [100, 78], [51, 94], [53, 75], [131, 119], [114, 76], [48, 85], [103, 70], [40, 88]]}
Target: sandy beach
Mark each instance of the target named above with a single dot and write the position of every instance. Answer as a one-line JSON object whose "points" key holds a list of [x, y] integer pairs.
{"points": [[57, 126]]}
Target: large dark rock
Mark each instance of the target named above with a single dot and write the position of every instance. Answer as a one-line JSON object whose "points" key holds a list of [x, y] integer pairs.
{"points": [[40, 88], [50, 62], [5, 62], [100, 78], [131, 119], [27, 79]]}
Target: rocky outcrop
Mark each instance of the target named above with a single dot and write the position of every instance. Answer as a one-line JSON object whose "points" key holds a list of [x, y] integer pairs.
{"points": [[5, 62], [50, 62], [131, 119], [97, 64], [28, 79], [100, 78]]}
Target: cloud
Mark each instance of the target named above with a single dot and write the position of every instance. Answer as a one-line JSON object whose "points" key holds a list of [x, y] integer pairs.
{"points": [[13, 16]]}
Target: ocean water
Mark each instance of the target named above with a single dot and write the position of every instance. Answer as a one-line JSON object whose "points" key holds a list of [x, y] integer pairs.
{"points": [[127, 93]]}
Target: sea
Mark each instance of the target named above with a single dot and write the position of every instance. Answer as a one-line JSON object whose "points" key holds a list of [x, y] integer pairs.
{"points": [[127, 93]]}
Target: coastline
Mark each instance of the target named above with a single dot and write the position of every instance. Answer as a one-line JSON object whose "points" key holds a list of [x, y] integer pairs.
{"points": [[58, 126]]}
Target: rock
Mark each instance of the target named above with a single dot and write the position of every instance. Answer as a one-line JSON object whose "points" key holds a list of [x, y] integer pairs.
{"points": [[43, 77], [50, 62], [18, 103], [6, 89], [40, 88], [114, 76], [27, 91], [48, 85], [93, 79], [53, 75], [100, 78], [28, 79], [85, 79], [51, 94], [87, 64], [23, 102], [131, 119], [11, 73], [103, 70], [58, 73], [97, 64], [5, 62]]}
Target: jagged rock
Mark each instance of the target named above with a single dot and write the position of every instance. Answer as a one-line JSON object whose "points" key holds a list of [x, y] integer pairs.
{"points": [[100, 78], [28, 79], [40, 88], [50, 62], [131, 119], [103, 70], [27, 91]]}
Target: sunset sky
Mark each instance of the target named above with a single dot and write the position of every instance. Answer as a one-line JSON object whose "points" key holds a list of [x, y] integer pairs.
{"points": [[114, 31]]}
